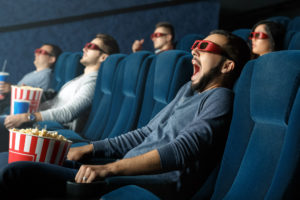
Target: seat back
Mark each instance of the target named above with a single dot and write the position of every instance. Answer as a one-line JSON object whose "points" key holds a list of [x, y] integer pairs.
{"points": [[103, 94], [263, 144], [186, 42], [73, 66], [168, 72], [59, 71], [294, 43], [284, 20], [128, 94], [294, 24], [242, 33]]}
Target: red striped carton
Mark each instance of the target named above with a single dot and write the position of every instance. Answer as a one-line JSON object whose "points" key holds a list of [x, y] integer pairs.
{"points": [[25, 147], [26, 93]]}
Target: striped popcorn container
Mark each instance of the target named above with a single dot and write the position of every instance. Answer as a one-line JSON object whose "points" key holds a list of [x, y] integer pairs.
{"points": [[26, 93], [25, 147]]}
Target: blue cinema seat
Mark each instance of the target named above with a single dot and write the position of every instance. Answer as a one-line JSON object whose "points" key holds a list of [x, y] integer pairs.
{"points": [[284, 20], [167, 74], [294, 43], [119, 114], [261, 157], [58, 78], [186, 42], [242, 33], [294, 24]]}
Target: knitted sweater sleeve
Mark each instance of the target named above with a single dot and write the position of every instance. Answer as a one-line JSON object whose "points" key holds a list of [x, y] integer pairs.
{"points": [[199, 138], [78, 103]]}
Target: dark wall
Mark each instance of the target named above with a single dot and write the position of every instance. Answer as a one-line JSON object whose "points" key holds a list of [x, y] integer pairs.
{"points": [[25, 25]]}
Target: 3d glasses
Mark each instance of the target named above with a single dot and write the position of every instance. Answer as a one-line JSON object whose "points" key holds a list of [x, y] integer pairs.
{"points": [[207, 46], [42, 51], [258, 35], [93, 47], [157, 34]]}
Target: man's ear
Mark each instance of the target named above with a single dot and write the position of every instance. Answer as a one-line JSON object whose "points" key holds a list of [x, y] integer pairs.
{"points": [[169, 37], [52, 59], [103, 57], [228, 66]]}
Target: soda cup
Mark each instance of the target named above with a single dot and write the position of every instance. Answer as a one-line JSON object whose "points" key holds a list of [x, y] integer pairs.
{"points": [[21, 106], [3, 77]]}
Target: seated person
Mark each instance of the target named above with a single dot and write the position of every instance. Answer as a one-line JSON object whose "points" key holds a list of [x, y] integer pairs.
{"points": [[75, 97], [266, 36], [162, 38], [182, 143], [44, 61]]}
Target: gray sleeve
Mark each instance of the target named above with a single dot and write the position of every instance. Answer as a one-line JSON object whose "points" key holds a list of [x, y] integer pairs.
{"points": [[117, 147], [78, 104], [202, 137], [41, 79]]}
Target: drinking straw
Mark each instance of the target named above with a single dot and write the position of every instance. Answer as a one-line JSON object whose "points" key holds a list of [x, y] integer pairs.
{"points": [[4, 65]]}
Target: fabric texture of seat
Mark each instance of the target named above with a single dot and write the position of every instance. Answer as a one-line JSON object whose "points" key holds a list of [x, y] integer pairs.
{"points": [[284, 20], [242, 33], [186, 42], [294, 24], [294, 43], [131, 192]]}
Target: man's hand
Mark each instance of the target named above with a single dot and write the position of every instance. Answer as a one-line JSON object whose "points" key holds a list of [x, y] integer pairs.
{"points": [[137, 45], [148, 163], [14, 121], [76, 153], [4, 87], [90, 173]]}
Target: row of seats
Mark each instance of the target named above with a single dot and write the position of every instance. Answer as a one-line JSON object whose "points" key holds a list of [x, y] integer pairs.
{"points": [[291, 24], [261, 157], [130, 90]]}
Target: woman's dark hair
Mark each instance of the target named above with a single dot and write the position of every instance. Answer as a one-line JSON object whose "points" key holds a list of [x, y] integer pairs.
{"points": [[275, 31], [237, 50]]}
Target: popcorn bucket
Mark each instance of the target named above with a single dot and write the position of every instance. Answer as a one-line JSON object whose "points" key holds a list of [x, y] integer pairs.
{"points": [[26, 93], [26, 147]]}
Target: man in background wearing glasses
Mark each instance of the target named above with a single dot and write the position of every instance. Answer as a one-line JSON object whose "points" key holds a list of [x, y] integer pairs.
{"points": [[75, 97], [44, 61], [162, 38]]}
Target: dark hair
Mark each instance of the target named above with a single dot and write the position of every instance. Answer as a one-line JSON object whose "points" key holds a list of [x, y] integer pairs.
{"points": [[275, 31], [110, 45], [56, 51], [168, 26], [237, 50]]}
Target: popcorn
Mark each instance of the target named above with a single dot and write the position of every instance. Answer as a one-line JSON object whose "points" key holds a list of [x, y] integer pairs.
{"points": [[36, 145], [41, 133]]}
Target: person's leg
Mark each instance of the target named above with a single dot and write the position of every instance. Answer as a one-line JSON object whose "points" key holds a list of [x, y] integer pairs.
{"points": [[32, 179]]}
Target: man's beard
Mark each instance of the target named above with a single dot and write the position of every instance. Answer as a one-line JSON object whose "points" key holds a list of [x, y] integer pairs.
{"points": [[207, 78]]}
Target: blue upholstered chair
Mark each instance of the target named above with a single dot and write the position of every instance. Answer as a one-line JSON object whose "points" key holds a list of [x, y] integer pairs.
{"points": [[117, 112], [294, 24], [284, 20], [73, 66], [294, 43], [261, 157], [186, 42], [167, 74], [58, 78], [242, 33]]}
